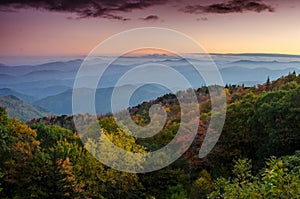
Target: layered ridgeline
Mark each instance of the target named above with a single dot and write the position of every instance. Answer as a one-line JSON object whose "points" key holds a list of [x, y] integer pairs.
{"points": [[22, 110], [62, 103], [47, 161], [49, 85]]}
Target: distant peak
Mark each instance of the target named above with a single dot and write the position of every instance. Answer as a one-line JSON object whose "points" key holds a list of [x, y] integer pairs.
{"points": [[12, 97]]}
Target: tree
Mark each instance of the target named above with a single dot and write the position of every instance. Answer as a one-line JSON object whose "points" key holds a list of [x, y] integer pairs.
{"points": [[276, 181], [202, 186], [19, 148], [176, 192]]}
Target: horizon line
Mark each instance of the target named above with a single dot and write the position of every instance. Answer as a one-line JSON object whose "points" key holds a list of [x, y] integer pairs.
{"points": [[191, 53]]}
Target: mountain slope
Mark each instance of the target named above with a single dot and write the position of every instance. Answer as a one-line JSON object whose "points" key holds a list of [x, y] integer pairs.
{"points": [[236, 74], [8, 91], [20, 109], [62, 103]]}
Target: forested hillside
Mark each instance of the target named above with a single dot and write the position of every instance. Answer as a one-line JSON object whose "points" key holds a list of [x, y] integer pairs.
{"points": [[21, 109], [257, 155]]}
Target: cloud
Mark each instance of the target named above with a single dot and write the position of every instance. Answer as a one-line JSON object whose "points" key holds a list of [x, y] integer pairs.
{"points": [[150, 18], [202, 19], [115, 9], [110, 9], [233, 6]]}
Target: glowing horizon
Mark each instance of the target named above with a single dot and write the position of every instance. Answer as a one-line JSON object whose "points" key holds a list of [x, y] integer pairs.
{"points": [[40, 32]]}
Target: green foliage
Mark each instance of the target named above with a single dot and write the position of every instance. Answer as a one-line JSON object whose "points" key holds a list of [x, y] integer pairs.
{"points": [[278, 119], [6, 140], [50, 135], [1, 176], [49, 162], [275, 181], [242, 170], [176, 192], [292, 162], [202, 186], [23, 146], [156, 183], [43, 161], [260, 125]]}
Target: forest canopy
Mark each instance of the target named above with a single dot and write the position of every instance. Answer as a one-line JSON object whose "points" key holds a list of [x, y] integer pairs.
{"points": [[257, 155]]}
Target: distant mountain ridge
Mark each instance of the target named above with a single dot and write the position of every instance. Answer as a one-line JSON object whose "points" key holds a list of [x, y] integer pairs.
{"points": [[257, 54], [258, 75], [264, 62], [22, 110], [62, 103], [10, 92], [49, 84], [24, 69]]}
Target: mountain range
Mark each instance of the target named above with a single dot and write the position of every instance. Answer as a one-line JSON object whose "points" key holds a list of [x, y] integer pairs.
{"points": [[49, 85], [62, 103]]}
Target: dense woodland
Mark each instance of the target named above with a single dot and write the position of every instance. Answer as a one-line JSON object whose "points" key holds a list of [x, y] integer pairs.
{"points": [[257, 155]]}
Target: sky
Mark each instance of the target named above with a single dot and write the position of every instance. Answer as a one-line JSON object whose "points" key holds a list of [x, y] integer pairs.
{"points": [[75, 27]]}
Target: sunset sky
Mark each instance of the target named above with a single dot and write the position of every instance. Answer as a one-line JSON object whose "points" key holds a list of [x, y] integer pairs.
{"points": [[40, 28]]}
